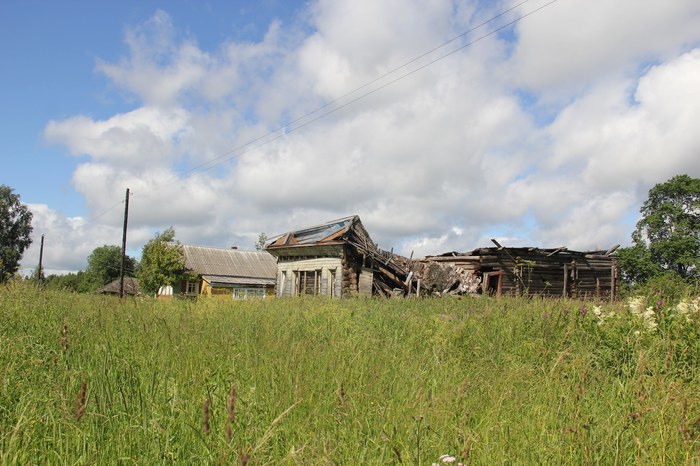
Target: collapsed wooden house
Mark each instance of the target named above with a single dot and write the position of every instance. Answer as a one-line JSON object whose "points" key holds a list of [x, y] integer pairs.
{"points": [[520, 271], [339, 259], [335, 259]]}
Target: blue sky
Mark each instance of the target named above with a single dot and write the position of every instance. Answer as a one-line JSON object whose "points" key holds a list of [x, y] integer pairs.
{"points": [[51, 48], [548, 133]]}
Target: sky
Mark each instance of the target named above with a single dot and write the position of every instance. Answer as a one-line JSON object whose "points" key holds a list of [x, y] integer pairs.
{"points": [[442, 124]]}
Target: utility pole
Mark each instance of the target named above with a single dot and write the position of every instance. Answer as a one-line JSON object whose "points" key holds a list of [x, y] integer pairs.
{"points": [[41, 258], [121, 269]]}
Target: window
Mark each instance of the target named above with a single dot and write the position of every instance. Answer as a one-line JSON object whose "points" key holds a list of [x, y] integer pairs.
{"points": [[191, 288], [331, 283], [309, 282], [248, 293]]}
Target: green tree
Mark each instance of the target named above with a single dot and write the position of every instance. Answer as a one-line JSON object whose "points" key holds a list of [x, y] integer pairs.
{"points": [[162, 262], [667, 238], [79, 282], [260, 245], [104, 265], [15, 231]]}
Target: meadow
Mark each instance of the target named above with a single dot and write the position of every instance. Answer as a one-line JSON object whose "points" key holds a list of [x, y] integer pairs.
{"points": [[90, 380]]}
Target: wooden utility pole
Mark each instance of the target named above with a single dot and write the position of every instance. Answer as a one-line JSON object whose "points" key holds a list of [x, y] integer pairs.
{"points": [[121, 269], [41, 258]]}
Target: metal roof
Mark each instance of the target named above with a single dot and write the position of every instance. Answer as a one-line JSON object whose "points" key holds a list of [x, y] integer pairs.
{"points": [[315, 234], [230, 262]]}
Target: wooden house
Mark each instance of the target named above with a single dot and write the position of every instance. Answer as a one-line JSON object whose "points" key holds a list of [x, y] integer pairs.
{"points": [[228, 273], [339, 259], [335, 259], [524, 271], [131, 287]]}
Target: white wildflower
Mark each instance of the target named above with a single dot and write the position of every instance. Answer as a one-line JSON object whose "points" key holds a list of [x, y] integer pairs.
{"points": [[685, 309], [650, 318], [635, 305], [447, 459], [601, 316], [647, 316]]}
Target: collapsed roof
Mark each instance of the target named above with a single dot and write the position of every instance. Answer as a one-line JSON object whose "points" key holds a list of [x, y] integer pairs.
{"points": [[349, 232]]}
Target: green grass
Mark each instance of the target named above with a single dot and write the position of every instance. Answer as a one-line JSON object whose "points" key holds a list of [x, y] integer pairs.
{"points": [[341, 382]]}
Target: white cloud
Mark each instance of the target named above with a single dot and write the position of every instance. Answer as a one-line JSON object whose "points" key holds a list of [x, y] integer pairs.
{"points": [[158, 69], [145, 136], [68, 240], [618, 143], [572, 43], [437, 161]]}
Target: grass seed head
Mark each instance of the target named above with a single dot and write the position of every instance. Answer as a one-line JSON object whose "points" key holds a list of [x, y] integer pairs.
{"points": [[231, 404], [64, 338], [205, 418], [245, 457], [80, 402]]}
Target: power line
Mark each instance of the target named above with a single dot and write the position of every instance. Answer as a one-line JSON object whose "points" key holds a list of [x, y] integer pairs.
{"points": [[288, 128], [102, 214], [347, 94]]}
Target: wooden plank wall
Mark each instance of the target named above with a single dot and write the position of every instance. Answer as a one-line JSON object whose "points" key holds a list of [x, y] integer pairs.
{"points": [[563, 274]]}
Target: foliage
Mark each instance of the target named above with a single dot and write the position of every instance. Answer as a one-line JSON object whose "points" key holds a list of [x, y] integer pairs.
{"points": [[667, 237], [162, 262], [80, 282], [260, 244], [666, 287], [636, 264], [34, 277], [15, 231], [318, 381], [104, 264]]}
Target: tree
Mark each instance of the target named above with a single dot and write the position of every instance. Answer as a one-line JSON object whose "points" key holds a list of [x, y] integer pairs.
{"points": [[260, 245], [79, 282], [104, 265], [667, 238], [15, 231], [162, 262]]}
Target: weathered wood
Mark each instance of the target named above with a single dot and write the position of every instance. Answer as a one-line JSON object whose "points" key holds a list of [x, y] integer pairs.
{"points": [[563, 248]]}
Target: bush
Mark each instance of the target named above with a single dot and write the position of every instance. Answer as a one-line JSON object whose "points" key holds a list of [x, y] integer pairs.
{"points": [[668, 288]]}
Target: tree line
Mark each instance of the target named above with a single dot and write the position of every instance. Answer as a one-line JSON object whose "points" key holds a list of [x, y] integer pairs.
{"points": [[162, 262]]}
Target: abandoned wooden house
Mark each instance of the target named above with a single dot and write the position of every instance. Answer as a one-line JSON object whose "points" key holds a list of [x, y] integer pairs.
{"points": [[339, 259], [131, 287], [228, 272], [523, 271], [336, 259]]}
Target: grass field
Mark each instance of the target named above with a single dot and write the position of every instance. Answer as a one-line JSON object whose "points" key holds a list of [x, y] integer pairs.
{"points": [[90, 380]]}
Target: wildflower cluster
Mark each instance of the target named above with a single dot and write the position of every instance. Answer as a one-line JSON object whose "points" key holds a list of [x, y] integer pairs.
{"points": [[601, 316], [447, 459], [646, 315], [686, 309]]}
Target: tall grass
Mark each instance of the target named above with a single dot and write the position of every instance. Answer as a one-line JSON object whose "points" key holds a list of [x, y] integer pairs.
{"points": [[318, 381]]}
